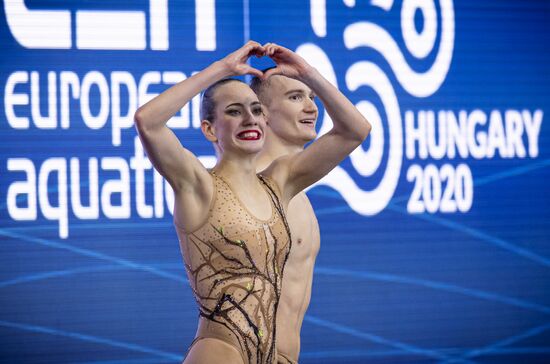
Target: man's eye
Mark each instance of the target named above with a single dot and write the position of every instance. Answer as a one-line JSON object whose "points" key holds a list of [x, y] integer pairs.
{"points": [[257, 111], [296, 97]]}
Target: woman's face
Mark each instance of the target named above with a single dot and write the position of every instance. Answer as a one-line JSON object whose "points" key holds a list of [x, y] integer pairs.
{"points": [[239, 121]]}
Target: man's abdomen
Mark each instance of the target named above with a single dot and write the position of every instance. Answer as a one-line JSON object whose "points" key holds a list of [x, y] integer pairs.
{"points": [[298, 275]]}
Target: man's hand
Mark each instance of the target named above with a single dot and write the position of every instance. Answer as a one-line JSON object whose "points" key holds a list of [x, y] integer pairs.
{"points": [[288, 63], [236, 61]]}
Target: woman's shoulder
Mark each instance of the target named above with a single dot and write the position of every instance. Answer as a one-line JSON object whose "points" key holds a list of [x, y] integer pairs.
{"points": [[276, 174]]}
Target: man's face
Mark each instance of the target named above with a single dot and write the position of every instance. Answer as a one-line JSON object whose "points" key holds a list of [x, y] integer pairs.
{"points": [[291, 110]]}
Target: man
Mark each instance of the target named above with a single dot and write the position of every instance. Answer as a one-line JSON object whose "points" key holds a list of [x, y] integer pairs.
{"points": [[291, 114]]}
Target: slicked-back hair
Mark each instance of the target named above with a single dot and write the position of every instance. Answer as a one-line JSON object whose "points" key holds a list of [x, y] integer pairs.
{"points": [[208, 104]]}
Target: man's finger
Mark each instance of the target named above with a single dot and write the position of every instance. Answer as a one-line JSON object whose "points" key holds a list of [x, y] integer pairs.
{"points": [[273, 49]]}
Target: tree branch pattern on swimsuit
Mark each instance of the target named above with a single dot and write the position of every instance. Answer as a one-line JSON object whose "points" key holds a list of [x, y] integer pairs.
{"points": [[235, 264]]}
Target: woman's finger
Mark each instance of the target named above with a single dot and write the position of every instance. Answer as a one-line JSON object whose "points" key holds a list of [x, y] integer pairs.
{"points": [[272, 71], [251, 44], [258, 51], [249, 49], [254, 72]]}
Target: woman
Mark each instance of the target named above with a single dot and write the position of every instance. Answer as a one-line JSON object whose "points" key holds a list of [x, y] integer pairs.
{"points": [[230, 221]]}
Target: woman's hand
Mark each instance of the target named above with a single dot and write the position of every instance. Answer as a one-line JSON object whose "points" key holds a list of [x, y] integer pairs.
{"points": [[236, 61], [288, 63]]}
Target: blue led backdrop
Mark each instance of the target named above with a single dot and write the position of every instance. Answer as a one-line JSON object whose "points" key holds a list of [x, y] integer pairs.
{"points": [[435, 233]]}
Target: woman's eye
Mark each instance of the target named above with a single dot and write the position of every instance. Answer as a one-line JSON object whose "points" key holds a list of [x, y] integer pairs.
{"points": [[233, 112], [257, 111]]}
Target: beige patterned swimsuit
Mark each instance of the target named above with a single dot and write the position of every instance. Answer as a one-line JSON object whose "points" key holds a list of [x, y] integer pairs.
{"points": [[235, 263]]}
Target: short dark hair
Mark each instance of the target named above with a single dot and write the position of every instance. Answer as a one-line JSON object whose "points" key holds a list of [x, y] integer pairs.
{"points": [[208, 105], [259, 85]]}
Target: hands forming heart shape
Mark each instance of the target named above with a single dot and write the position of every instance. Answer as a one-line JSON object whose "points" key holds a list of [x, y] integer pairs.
{"points": [[287, 62]]}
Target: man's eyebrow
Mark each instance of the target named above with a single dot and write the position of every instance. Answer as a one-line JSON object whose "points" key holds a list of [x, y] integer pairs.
{"points": [[296, 90]]}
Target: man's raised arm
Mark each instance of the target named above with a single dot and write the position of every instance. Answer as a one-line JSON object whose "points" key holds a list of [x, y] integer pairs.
{"points": [[350, 127]]}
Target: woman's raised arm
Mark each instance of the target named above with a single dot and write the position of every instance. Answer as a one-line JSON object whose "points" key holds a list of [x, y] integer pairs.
{"points": [[177, 164]]}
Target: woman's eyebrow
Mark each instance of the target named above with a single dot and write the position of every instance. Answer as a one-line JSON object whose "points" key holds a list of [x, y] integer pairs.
{"points": [[234, 104], [238, 104]]}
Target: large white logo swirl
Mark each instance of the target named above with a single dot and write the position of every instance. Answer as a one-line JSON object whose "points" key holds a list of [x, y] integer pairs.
{"points": [[364, 73]]}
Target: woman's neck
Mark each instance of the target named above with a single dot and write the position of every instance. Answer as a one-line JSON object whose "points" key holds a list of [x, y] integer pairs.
{"points": [[239, 171]]}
